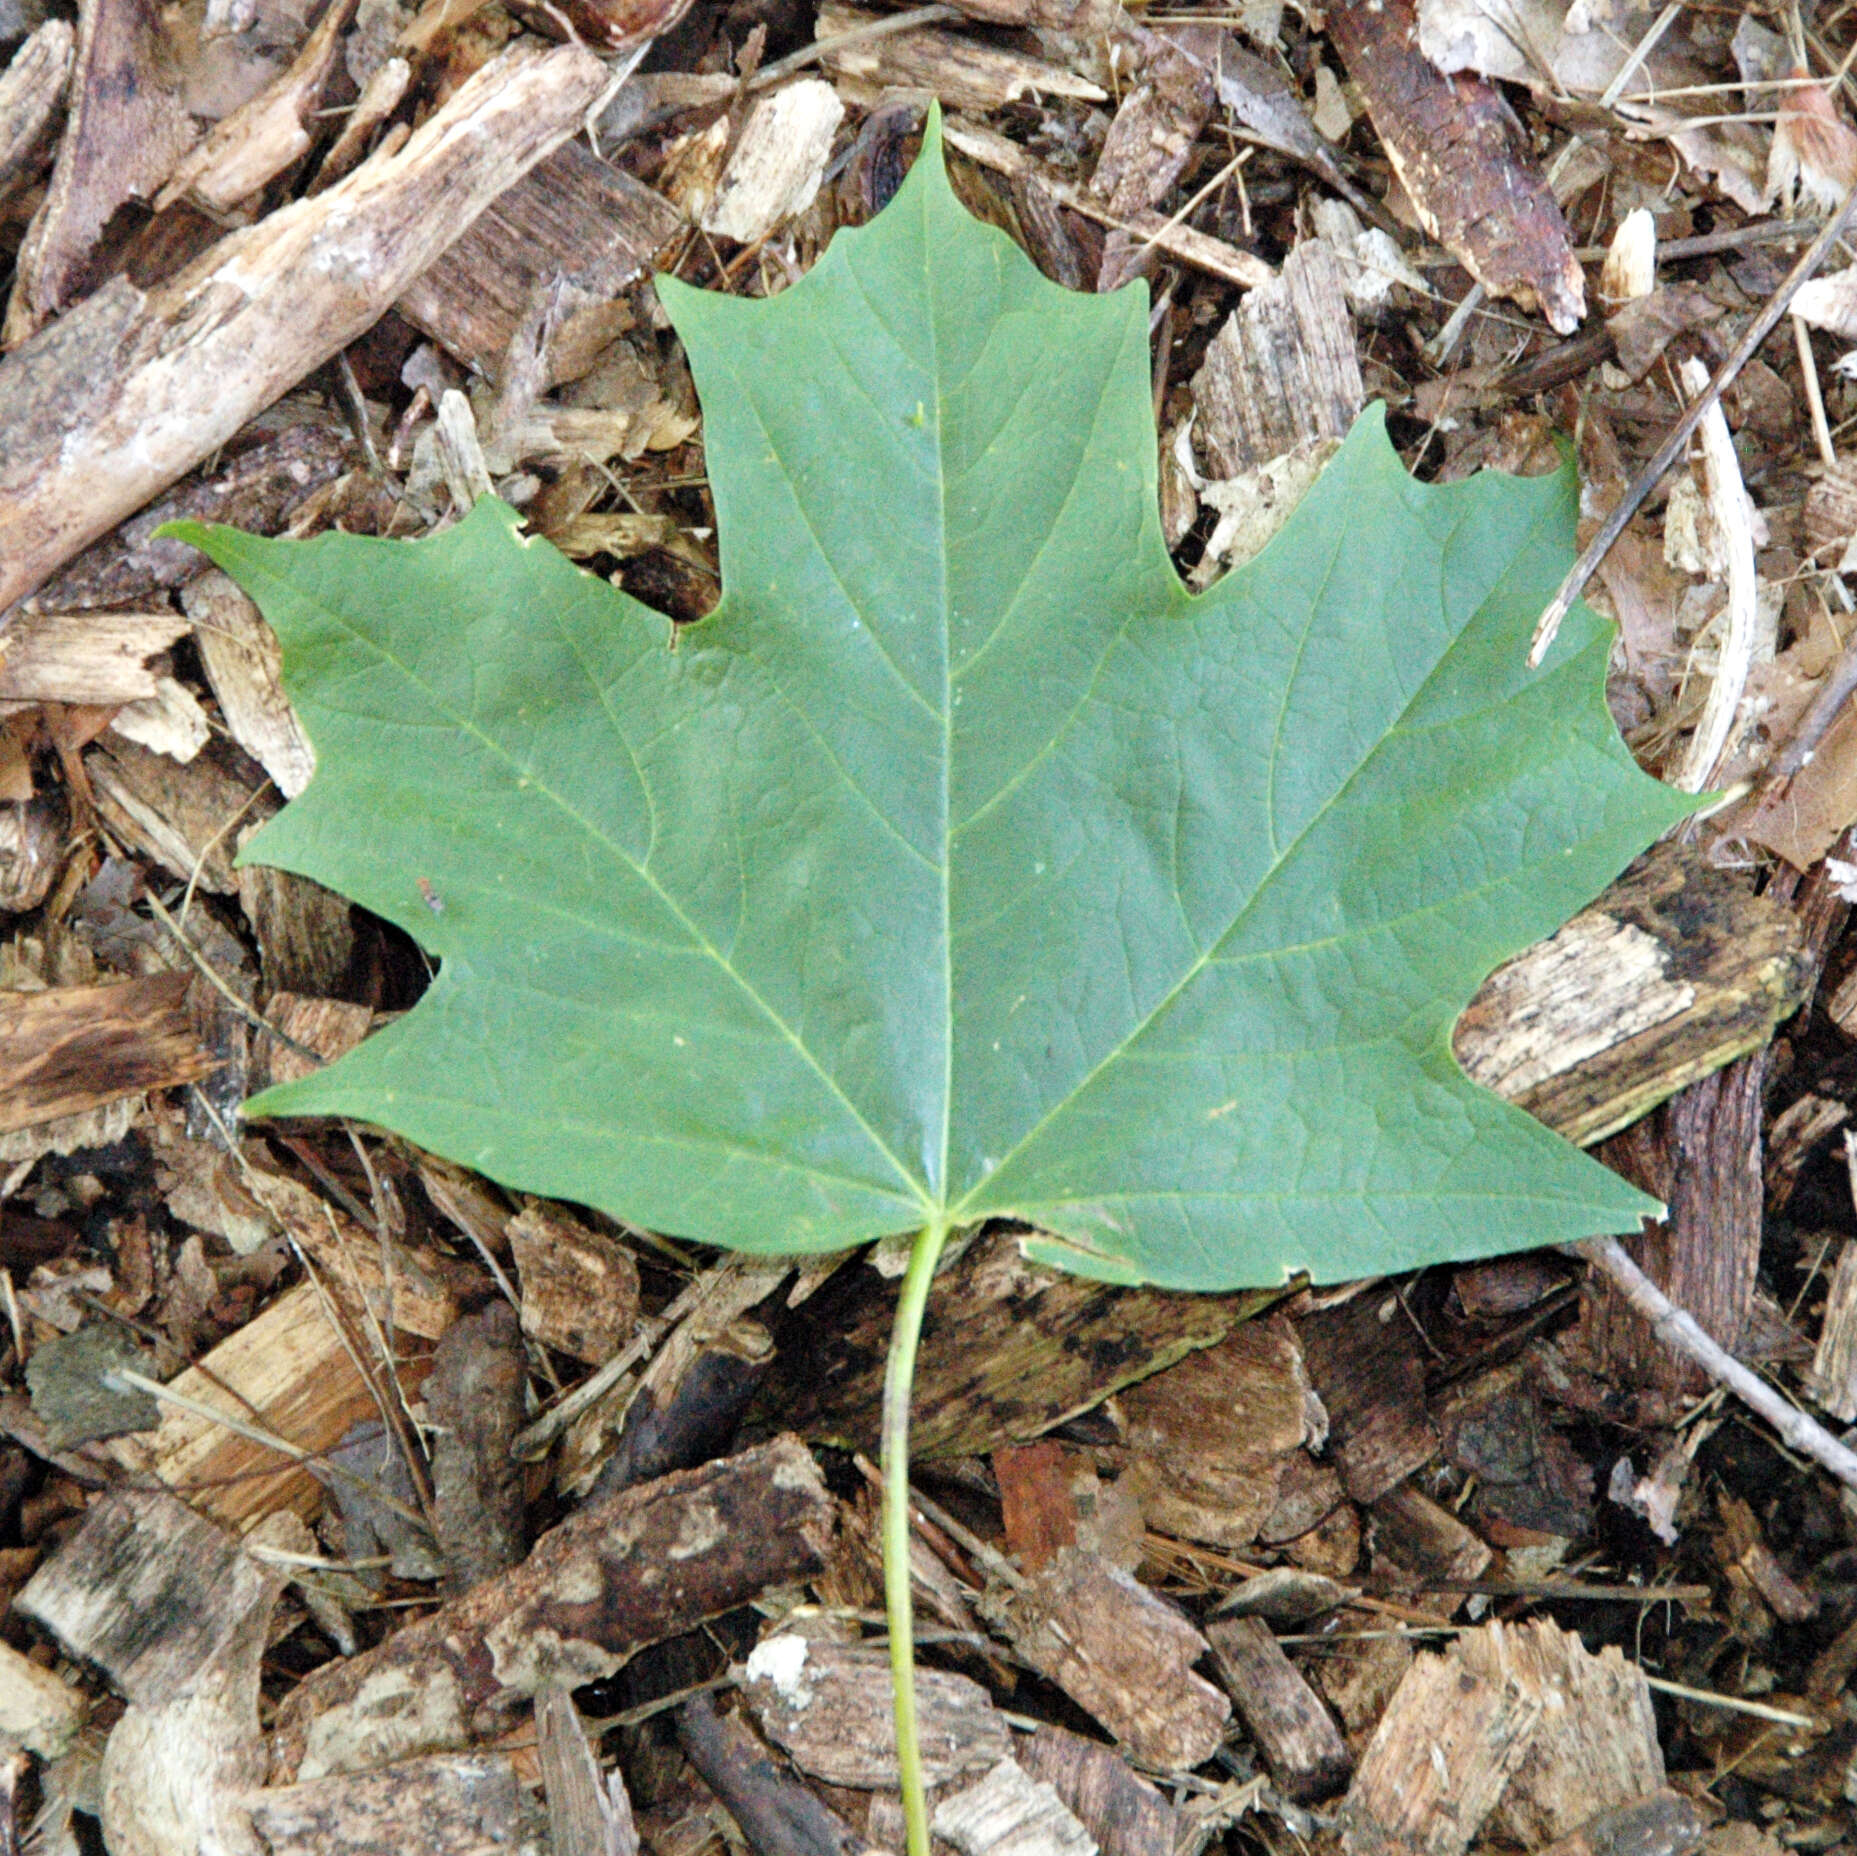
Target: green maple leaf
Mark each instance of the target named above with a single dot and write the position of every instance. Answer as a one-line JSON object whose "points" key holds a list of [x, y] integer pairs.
{"points": [[961, 865]]}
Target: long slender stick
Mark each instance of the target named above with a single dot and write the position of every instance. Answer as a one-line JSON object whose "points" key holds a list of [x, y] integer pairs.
{"points": [[898, 1378], [1642, 485], [1681, 1331]]}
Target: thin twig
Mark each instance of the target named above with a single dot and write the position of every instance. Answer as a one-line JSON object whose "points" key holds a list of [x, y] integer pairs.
{"points": [[1667, 453], [1680, 1331]]}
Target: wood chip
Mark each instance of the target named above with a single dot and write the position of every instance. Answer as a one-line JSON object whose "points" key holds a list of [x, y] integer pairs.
{"points": [[70, 1049], [1282, 369], [828, 1707], [31, 89], [1299, 1742], [1124, 1813], [1674, 971], [244, 664], [448, 1804], [1834, 1364], [1009, 1813], [100, 658], [1122, 1653], [1363, 1360], [776, 162], [579, 1286]]}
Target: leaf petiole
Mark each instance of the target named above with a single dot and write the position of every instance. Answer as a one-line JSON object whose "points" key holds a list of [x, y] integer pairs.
{"points": [[899, 1376]]}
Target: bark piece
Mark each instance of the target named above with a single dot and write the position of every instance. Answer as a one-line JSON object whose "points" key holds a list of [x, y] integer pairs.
{"points": [[614, 1577], [1462, 157], [1527, 1473], [1367, 1372], [1283, 368], [323, 1028], [1124, 1813], [244, 664], [828, 1707], [72, 1394], [774, 1810], [1301, 1746], [181, 817], [1415, 1532], [73, 1048], [124, 132], [474, 1393], [1702, 1157], [287, 1371], [449, 1804], [575, 221], [1676, 970], [1207, 1437], [1009, 1813], [579, 1286], [96, 658], [954, 66], [1122, 1653], [585, 1817], [147, 1592], [1009, 1349], [134, 388], [31, 89], [1037, 1509], [1834, 1363], [34, 837]]}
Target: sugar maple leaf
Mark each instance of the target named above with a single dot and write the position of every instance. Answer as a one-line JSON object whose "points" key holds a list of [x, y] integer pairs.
{"points": [[960, 864]]}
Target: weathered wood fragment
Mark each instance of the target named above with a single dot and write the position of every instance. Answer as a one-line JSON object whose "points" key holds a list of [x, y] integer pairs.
{"points": [[246, 151], [585, 1816], [146, 1591], [776, 162], [1445, 1747], [305, 933], [244, 664], [614, 1577], [182, 817], [124, 130], [1009, 1813], [131, 389], [34, 838], [319, 1029], [774, 1810], [31, 89], [1596, 1747], [447, 1804], [287, 1371], [98, 658], [1124, 1813], [1206, 1437], [72, 1048], [1677, 969], [574, 221], [963, 72], [1009, 1349], [39, 1711], [1121, 1652], [1368, 1374], [1834, 1363], [474, 1394], [579, 1286], [1301, 1747], [827, 1706], [1282, 370], [1416, 1533]]}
